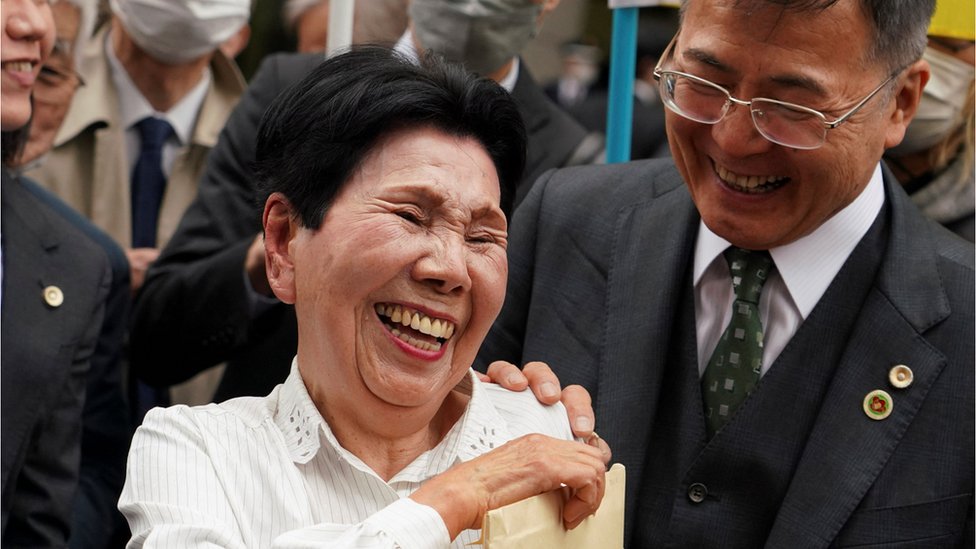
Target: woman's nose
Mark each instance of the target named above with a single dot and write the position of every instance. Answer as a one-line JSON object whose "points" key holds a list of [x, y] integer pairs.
{"points": [[444, 266]]}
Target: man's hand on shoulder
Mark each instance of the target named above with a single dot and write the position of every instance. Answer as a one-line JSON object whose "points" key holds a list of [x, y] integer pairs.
{"points": [[539, 377]]}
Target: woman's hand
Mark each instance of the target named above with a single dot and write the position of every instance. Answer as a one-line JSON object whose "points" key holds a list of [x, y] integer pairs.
{"points": [[527, 466]]}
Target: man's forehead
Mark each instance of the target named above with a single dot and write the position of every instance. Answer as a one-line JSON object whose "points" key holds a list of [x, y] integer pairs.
{"points": [[792, 47], [760, 18]]}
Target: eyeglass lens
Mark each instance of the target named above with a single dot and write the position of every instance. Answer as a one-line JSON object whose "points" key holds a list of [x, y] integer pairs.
{"points": [[707, 103]]}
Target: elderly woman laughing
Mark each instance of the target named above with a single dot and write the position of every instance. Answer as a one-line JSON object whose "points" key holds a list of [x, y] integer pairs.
{"points": [[387, 188]]}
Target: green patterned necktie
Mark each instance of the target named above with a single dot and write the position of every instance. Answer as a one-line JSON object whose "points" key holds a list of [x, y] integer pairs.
{"points": [[734, 368]]}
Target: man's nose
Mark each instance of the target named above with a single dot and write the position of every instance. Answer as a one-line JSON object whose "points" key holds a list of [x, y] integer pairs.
{"points": [[736, 134]]}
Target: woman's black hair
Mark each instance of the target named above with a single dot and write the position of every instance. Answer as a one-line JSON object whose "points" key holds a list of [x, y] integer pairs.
{"points": [[318, 131]]}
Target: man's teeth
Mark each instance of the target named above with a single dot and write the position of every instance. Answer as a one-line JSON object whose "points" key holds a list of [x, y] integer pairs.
{"points": [[434, 327], [746, 183], [19, 66]]}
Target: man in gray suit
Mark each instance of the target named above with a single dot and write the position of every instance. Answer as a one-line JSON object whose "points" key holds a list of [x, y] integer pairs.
{"points": [[848, 418]]}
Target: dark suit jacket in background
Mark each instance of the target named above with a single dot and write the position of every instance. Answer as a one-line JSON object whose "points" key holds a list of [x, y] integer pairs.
{"points": [[47, 353], [648, 138], [106, 425], [193, 311], [600, 288]]}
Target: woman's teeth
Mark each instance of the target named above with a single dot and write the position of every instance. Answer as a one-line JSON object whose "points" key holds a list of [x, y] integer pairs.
{"points": [[750, 183], [19, 66], [403, 316]]}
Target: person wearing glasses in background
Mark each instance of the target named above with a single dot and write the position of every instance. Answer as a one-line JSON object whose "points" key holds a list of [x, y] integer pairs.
{"points": [[778, 343], [58, 80]]}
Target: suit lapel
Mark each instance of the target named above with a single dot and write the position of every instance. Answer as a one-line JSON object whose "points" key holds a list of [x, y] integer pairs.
{"points": [[28, 242], [638, 330], [847, 450], [111, 198]]}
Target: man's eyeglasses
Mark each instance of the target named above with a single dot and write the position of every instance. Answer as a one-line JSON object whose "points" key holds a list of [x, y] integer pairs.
{"points": [[783, 123], [56, 77]]}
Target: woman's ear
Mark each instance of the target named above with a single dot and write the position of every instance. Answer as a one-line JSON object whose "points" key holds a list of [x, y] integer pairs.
{"points": [[280, 228], [906, 99]]}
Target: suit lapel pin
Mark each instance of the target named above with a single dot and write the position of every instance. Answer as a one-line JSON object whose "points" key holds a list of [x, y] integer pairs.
{"points": [[53, 296], [878, 404], [900, 376]]}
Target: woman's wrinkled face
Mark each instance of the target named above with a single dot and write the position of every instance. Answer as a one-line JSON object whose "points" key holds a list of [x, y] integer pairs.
{"points": [[397, 289], [28, 37]]}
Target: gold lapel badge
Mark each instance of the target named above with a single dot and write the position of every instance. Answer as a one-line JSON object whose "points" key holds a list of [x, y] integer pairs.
{"points": [[878, 404], [53, 296]]}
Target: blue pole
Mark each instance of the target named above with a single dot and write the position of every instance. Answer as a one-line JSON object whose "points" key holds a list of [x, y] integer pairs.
{"points": [[623, 64]]}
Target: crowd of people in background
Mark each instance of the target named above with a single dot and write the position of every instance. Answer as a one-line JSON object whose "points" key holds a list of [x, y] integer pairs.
{"points": [[136, 275]]}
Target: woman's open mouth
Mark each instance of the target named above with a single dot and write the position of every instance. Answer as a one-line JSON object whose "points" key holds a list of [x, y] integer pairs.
{"points": [[414, 327]]}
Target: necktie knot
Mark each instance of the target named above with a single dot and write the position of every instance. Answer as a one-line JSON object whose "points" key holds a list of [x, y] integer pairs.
{"points": [[154, 132], [749, 270]]}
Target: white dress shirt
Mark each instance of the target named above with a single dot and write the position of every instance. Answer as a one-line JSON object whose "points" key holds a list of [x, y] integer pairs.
{"points": [[804, 270], [133, 107], [268, 472]]}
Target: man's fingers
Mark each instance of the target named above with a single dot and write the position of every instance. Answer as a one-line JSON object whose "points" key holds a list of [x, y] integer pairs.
{"points": [[579, 407], [482, 377], [601, 445], [507, 375], [543, 382]]}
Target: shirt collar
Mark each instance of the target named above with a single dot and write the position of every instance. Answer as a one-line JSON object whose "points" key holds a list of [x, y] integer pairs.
{"points": [[479, 429], [297, 417], [405, 47], [133, 107], [809, 264]]}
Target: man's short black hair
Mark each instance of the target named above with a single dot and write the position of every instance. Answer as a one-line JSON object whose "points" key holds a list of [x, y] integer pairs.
{"points": [[317, 132]]}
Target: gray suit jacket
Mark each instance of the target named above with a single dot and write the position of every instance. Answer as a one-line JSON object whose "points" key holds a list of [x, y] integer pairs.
{"points": [[47, 349], [599, 265]]}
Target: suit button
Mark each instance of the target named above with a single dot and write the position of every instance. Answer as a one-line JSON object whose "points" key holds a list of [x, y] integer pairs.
{"points": [[697, 492]]}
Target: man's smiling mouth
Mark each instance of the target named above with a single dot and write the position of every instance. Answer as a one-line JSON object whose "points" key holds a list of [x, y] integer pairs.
{"points": [[415, 328], [751, 184]]}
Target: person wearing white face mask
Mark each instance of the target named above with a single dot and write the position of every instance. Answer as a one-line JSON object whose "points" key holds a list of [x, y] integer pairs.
{"points": [[157, 58], [155, 65], [934, 162]]}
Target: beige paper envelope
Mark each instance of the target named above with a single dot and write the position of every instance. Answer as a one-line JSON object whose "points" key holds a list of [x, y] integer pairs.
{"points": [[537, 522]]}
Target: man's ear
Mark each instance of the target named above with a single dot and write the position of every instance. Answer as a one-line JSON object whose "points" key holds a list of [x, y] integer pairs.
{"points": [[280, 228], [906, 99]]}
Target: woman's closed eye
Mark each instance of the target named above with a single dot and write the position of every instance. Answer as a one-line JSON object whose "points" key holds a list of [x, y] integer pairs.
{"points": [[412, 215], [481, 238]]}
